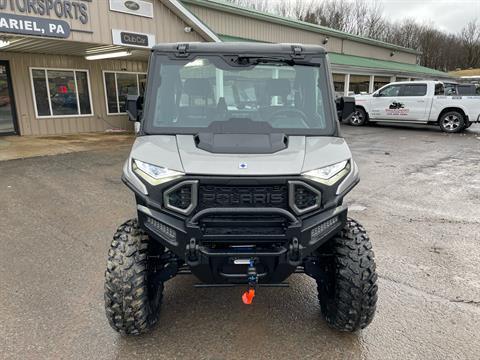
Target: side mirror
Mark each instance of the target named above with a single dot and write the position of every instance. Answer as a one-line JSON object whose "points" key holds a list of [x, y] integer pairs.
{"points": [[134, 107], [345, 107]]}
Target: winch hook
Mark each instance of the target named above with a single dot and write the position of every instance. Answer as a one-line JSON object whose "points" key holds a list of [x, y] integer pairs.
{"points": [[248, 295]]}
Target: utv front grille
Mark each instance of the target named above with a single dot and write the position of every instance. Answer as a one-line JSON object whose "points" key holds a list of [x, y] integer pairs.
{"points": [[193, 195], [267, 196]]}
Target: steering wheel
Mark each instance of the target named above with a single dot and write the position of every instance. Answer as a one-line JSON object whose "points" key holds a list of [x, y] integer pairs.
{"points": [[285, 112]]}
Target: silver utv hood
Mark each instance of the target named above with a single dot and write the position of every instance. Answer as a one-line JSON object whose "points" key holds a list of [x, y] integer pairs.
{"points": [[181, 153]]}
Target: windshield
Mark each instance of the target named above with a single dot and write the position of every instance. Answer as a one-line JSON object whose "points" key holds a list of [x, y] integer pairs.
{"points": [[185, 96]]}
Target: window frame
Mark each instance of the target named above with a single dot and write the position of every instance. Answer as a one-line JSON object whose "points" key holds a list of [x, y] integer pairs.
{"points": [[51, 116], [115, 72]]}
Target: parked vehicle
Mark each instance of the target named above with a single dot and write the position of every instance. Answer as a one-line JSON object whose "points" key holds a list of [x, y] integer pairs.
{"points": [[419, 102], [239, 175]]}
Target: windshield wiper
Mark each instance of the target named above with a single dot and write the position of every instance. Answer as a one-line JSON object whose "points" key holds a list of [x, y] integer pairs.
{"points": [[253, 60]]}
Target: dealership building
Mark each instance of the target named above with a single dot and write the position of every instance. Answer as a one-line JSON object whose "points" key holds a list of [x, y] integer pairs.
{"points": [[66, 66]]}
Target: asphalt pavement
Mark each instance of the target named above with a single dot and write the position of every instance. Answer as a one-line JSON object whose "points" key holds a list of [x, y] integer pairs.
{"points": [[419, 198]]}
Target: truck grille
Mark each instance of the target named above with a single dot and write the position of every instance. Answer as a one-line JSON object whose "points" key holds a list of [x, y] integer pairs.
{"points": [[215, 196]]}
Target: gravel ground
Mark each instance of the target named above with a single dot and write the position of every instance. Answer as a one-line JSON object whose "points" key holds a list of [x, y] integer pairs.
{"points": [[419, 198]]}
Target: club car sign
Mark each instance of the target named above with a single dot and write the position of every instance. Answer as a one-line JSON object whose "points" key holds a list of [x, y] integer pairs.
{"points": [[27, 25], [133, 39]]}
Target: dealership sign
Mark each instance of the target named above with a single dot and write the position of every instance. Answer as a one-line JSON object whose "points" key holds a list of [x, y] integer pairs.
{"points": [[27, 25], [133, 39], [62, 9]]}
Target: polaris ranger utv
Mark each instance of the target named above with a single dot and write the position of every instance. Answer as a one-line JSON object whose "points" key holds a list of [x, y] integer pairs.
{"points": [[239, 174]]}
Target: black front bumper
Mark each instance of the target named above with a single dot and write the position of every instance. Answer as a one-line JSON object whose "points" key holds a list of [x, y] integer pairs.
{"points": [[189, 240], [214, 241]]}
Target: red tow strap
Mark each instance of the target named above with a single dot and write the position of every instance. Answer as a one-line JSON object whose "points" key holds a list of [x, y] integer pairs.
{"points": [[248, 296]]}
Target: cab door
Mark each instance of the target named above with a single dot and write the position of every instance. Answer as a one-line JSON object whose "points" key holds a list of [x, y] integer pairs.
{"points": [[381, 104], [414, 101]]}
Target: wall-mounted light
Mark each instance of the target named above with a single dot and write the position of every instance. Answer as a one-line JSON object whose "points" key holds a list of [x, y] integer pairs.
{"points": [[108, 55], [4, 43], [187, 29], [325, 40]]}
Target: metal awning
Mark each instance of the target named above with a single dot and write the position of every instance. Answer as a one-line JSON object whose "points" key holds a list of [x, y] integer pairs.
{"points": [[39, 45], [350, 63]]}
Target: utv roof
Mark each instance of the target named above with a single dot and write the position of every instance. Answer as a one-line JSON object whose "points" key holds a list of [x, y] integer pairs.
{"points": [[240, 48]]}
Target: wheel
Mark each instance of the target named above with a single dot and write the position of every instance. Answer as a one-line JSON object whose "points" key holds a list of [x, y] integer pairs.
{"points": [[358, 118], [452, 122], [132, 302], [347, 287]]}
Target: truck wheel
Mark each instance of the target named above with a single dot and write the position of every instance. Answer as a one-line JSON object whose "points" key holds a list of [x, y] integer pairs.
{"points": [[358, 118], [132, 302], [347, 287], [452, 122]]}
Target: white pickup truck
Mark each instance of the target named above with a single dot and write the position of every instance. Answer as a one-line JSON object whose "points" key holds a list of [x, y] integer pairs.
{"points": [[417, 102]]}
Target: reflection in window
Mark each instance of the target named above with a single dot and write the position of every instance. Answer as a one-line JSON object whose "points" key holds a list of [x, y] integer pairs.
{"points": [[390, 91], [83, 93], [61, 92], [120, 84], [415, 90], [63, 95], [439, 89], [359, 84], [142, 83], [127, 84], [111, 89], [41, 93]]}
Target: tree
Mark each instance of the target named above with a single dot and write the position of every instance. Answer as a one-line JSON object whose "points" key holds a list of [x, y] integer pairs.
{"points": [[470, 37]]}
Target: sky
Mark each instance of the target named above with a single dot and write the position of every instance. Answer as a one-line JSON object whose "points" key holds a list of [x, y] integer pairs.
{"points": [[449, 16]]}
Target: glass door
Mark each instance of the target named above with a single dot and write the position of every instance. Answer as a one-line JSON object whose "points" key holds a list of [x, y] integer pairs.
{"points": [[8, 121]]}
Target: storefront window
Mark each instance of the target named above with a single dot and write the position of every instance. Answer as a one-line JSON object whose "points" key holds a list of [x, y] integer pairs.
{"points": [[60, 93], [339, 84], [120, 84], [359, 84], [380, 81]]}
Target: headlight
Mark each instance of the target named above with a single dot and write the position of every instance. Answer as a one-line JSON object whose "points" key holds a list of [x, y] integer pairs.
{"points": [[329, 175], [153, 174]]}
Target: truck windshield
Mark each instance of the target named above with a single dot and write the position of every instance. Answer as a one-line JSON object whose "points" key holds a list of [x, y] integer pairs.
{"points": [[186, 96]]}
